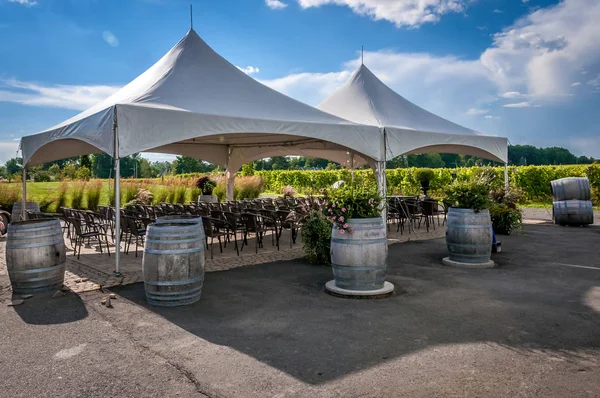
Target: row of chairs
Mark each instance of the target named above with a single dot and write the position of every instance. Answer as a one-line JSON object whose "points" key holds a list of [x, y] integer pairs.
{"points": [[414, 211]]}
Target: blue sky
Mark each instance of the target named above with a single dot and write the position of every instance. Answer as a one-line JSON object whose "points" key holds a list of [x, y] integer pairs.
{"points": [[528, 70]]}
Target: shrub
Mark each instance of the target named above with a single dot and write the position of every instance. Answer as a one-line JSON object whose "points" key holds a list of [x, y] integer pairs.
{"points": [[45, 204], [504, 211], [128, 191], [248, 187], [83, 173], [9, 194], [93, 194], [424, 176], [42, 176], [161, 195], [77, 192], [206, 185], [61, 199], [179, 194], [69, 171], [316, 238], [468, 195], [220, 192]]}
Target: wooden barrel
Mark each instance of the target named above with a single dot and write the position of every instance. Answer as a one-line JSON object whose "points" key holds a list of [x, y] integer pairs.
{"points": [[17, 206], [573, 212], [179, 219], [571, 188], [35, 255], [173, 264], [359, 258], [469, 236]]}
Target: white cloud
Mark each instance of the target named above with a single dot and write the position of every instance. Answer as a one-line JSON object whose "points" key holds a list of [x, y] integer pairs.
{"points": [[249, 70], [595, 82], [513, 94], [523, 104], [482, 27], [411, 13], [575, 84], [110, 38], [59, 96], [497, 11], [26, 3], [475, 111], [542, 53], [491, 117], [275, 4]]}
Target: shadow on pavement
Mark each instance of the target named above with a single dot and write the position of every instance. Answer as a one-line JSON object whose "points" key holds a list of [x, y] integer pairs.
{"points": [[279, 313], [42, 309]]}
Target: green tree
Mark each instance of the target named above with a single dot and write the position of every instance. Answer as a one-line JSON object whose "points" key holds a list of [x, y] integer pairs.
{"points": [[14, 166]]}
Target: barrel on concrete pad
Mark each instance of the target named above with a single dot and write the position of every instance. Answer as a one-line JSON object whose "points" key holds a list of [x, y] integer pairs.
{"points": [[469, 236], [359, 258], [35, 255], [173, 264], [18, 206], [573, 212], [571, 188]]}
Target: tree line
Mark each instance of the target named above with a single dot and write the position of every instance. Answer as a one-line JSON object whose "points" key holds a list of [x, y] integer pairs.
{"points": [[101, 165]]}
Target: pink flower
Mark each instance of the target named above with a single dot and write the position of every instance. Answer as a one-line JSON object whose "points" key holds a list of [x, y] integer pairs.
{"points": [[345, 225], [333, 205], [342, 231], [343, 209], [341, 219], [333, 218], [329, 210]]}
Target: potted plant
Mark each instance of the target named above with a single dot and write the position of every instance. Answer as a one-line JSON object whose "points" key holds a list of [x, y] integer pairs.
{"points": [[469, 235], [358, 241], [288, 191], [206, 185], [424, 177]]}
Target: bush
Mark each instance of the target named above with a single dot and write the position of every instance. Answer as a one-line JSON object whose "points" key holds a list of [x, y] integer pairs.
{"points": [[128, 191], [248, 187], [83, 173], [316, 238], [9, 194], [220, 192], [42, 176], [77, 192], [468, 195], [505, 214], [424, 176], [61, 200], [45, 204], [93, 195]]}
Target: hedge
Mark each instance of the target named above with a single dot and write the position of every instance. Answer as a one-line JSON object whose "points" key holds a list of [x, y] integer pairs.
{"points": [[534, 181]]}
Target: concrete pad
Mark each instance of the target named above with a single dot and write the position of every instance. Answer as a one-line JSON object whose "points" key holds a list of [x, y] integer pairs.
{"points": [[386, 291], [446, 261]]}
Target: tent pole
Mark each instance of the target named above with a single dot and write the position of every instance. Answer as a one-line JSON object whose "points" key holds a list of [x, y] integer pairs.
{"points": [[352, 166], [506, 184], [381, 178], [24, 201], [229, 178], [117, 198]]}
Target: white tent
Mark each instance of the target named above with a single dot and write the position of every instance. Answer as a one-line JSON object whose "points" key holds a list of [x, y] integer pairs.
{"points": [[193, 102], [409, 128]]}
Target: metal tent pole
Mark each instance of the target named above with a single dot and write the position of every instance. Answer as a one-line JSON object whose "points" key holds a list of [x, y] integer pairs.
{"points": [[352, 166], [24, 201], [506, 184], [117, 198], [381, 178]]}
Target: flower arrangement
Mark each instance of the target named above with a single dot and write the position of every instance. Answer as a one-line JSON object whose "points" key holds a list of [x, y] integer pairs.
{"points": [[348, 202], [206, 185]]}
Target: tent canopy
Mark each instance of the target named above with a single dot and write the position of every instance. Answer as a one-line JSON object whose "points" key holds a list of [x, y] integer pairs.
{"points": [[193, 102], [410, 129]]}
